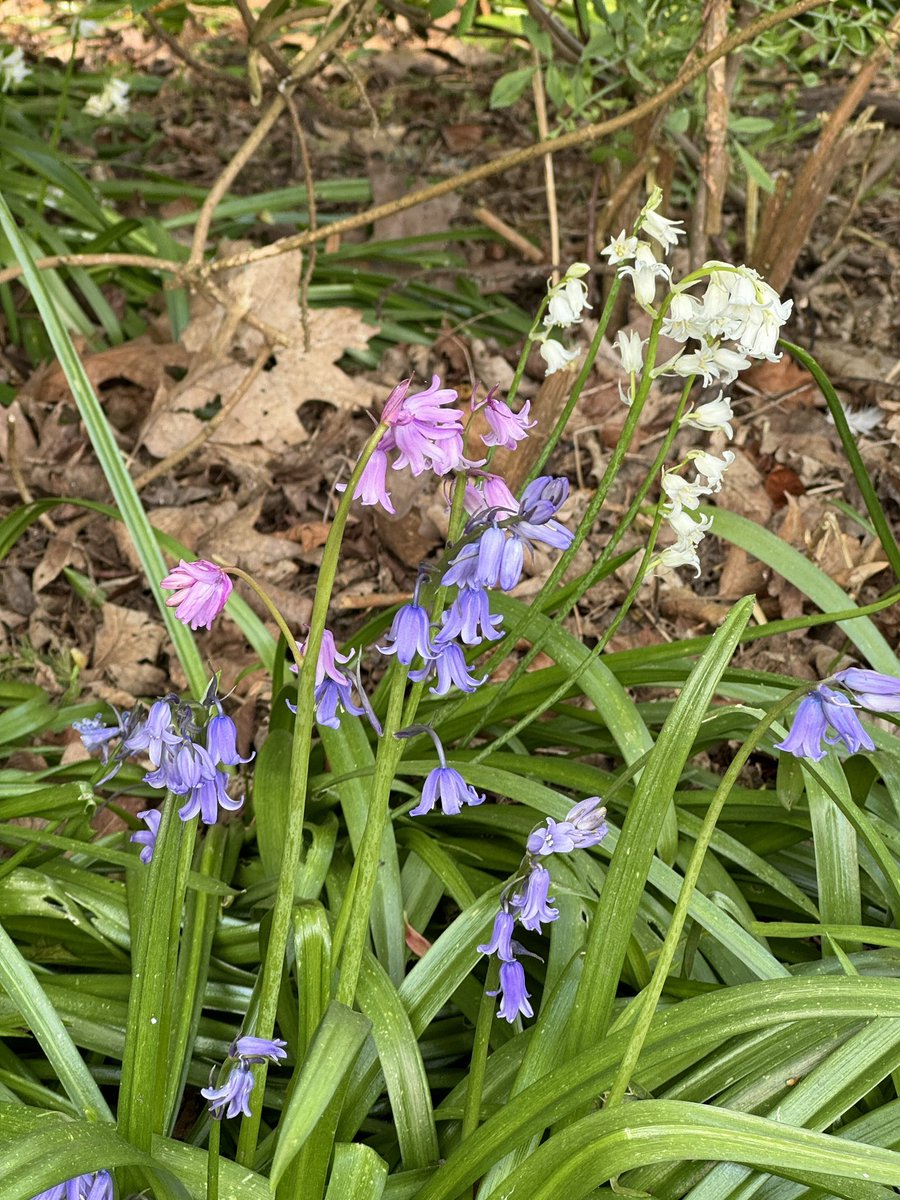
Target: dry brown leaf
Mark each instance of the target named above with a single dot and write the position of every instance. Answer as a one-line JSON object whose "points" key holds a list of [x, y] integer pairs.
{"points": [[61, 552], [126, 646], [140, 361], [740, 576], [743, 490]]}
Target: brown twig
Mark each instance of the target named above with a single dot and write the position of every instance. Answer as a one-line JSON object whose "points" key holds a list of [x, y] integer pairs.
{"points": [[204, 70], [310, 265], [540, 112], [527, 249], [566, 141], [95, 260]]}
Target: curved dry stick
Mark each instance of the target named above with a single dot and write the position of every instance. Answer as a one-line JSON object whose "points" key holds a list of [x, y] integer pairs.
{"points": [[96, 260], [578, 137]]}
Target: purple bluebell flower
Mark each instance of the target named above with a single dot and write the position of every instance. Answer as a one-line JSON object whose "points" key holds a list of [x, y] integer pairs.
{"points": [[821, 709], [495, 560], [532, 906], [449, 665], [447, 785], [506, 427], [872, 689], [233, 1098], [207, 787], [427, 434], [541, 500], [154, 733], [490, 493], [257, 1050], [334, 686], [410, 634], [95, 1186], [553, 837], [463, 569], [97, 736], [584, 826], [470, 619], [200, 592], [147, 837], [501, 937], [372, 485], [221, 741], [514, 999]]}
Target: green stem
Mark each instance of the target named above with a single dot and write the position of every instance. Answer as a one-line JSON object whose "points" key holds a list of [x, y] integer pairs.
{"points": [[279, 620], [857, 466], [480, 1045], [212, 1160], [513, 388], [273, 963], [358, 901], [652, 992], [583, 374]]}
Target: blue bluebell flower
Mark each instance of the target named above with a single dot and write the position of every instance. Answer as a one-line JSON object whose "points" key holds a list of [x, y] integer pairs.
{"points": [[257, 1049], [95, 1186], [221, 741], [449, 665], [872, 689], [470, 619], [147, 837], [532, 906], [501, 937], [513, 995], [232, 1099], [822, 709], [97, 736], [447, 785], [410, 634], [584, 826]]}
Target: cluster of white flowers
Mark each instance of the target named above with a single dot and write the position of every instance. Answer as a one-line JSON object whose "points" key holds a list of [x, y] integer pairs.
{"points": [[13, 70], [566, 301], [737, 307], [113, 100]]}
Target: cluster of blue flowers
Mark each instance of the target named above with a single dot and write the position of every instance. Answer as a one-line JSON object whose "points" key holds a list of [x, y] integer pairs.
{"points": [[826, 708], [526, 900], [232, 1099], [187, 758]]}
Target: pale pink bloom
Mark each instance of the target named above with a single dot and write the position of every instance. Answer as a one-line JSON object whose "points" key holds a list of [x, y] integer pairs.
{"points": [[201, 589]]}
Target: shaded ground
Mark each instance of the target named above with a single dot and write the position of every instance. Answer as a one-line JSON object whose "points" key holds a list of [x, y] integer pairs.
{"points": [[260, 490]]}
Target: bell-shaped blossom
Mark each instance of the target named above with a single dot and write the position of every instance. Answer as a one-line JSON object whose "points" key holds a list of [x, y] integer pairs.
{"points": [[95, 1186], [410, 634], [449, 665], [469, 619], [621, 249], [426, 432], [200, 592], [556, 355], [208, 788], [13, 73], [257, 1049], [147, 837], [584, 826], [155, 733], [685, 318], [221, 741], [232, 1099], [680, 554], [567, 301], [822, 709], [95, 735], [712, 361], [713, 468], [446, 785], [513, 995], [715, 414], [501, 937], [630, 347], [533, 906], [681, 492], [112, 101], [644, 274], [663, 231], [872, 689], [372, 486], [506, 428]]}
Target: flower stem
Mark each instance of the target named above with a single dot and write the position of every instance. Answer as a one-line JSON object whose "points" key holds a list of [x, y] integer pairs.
{"points": [[273, 963]]}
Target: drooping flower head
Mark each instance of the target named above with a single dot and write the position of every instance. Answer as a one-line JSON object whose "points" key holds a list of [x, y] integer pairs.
{"points": [[872, 689], [232, 1099], [95, 1186], [257, 1050], [822, 709], [444, 784], [506, 428], [200, 592], [147, 837]]}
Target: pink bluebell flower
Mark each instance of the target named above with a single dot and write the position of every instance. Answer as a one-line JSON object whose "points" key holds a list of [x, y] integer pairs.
{"points": [[200, 592], [427, 434], [147, 837], [334, 685], [506, 428]]}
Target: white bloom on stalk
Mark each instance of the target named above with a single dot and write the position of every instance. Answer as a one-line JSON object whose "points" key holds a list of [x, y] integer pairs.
{"points": [[568, 299], [644, 274], [113, 100], [13, 70], [662, 230], [631, 351], [685, 319], [556, 355], [682, 493], [715, 414], [685, 528], [621, 249], [713, 468], [711, 361]]}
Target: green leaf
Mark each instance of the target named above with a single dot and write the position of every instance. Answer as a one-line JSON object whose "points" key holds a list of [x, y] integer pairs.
{"points": [[509, 87], [331, 1056], [754, 168], [358, 1172]]}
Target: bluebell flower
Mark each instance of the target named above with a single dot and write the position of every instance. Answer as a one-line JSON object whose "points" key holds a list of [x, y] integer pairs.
{"points": [[501, 937], [97, 736], [584, 826], [470, 619], [221, 741], [506, 427], [95, 1186], [448, 786], [410, 634], [821, 709], [514, 998], [147, 837], [872, 689], [233, 1098], [155, 732], [449, 664], [532, 906], [257, 1049]]}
